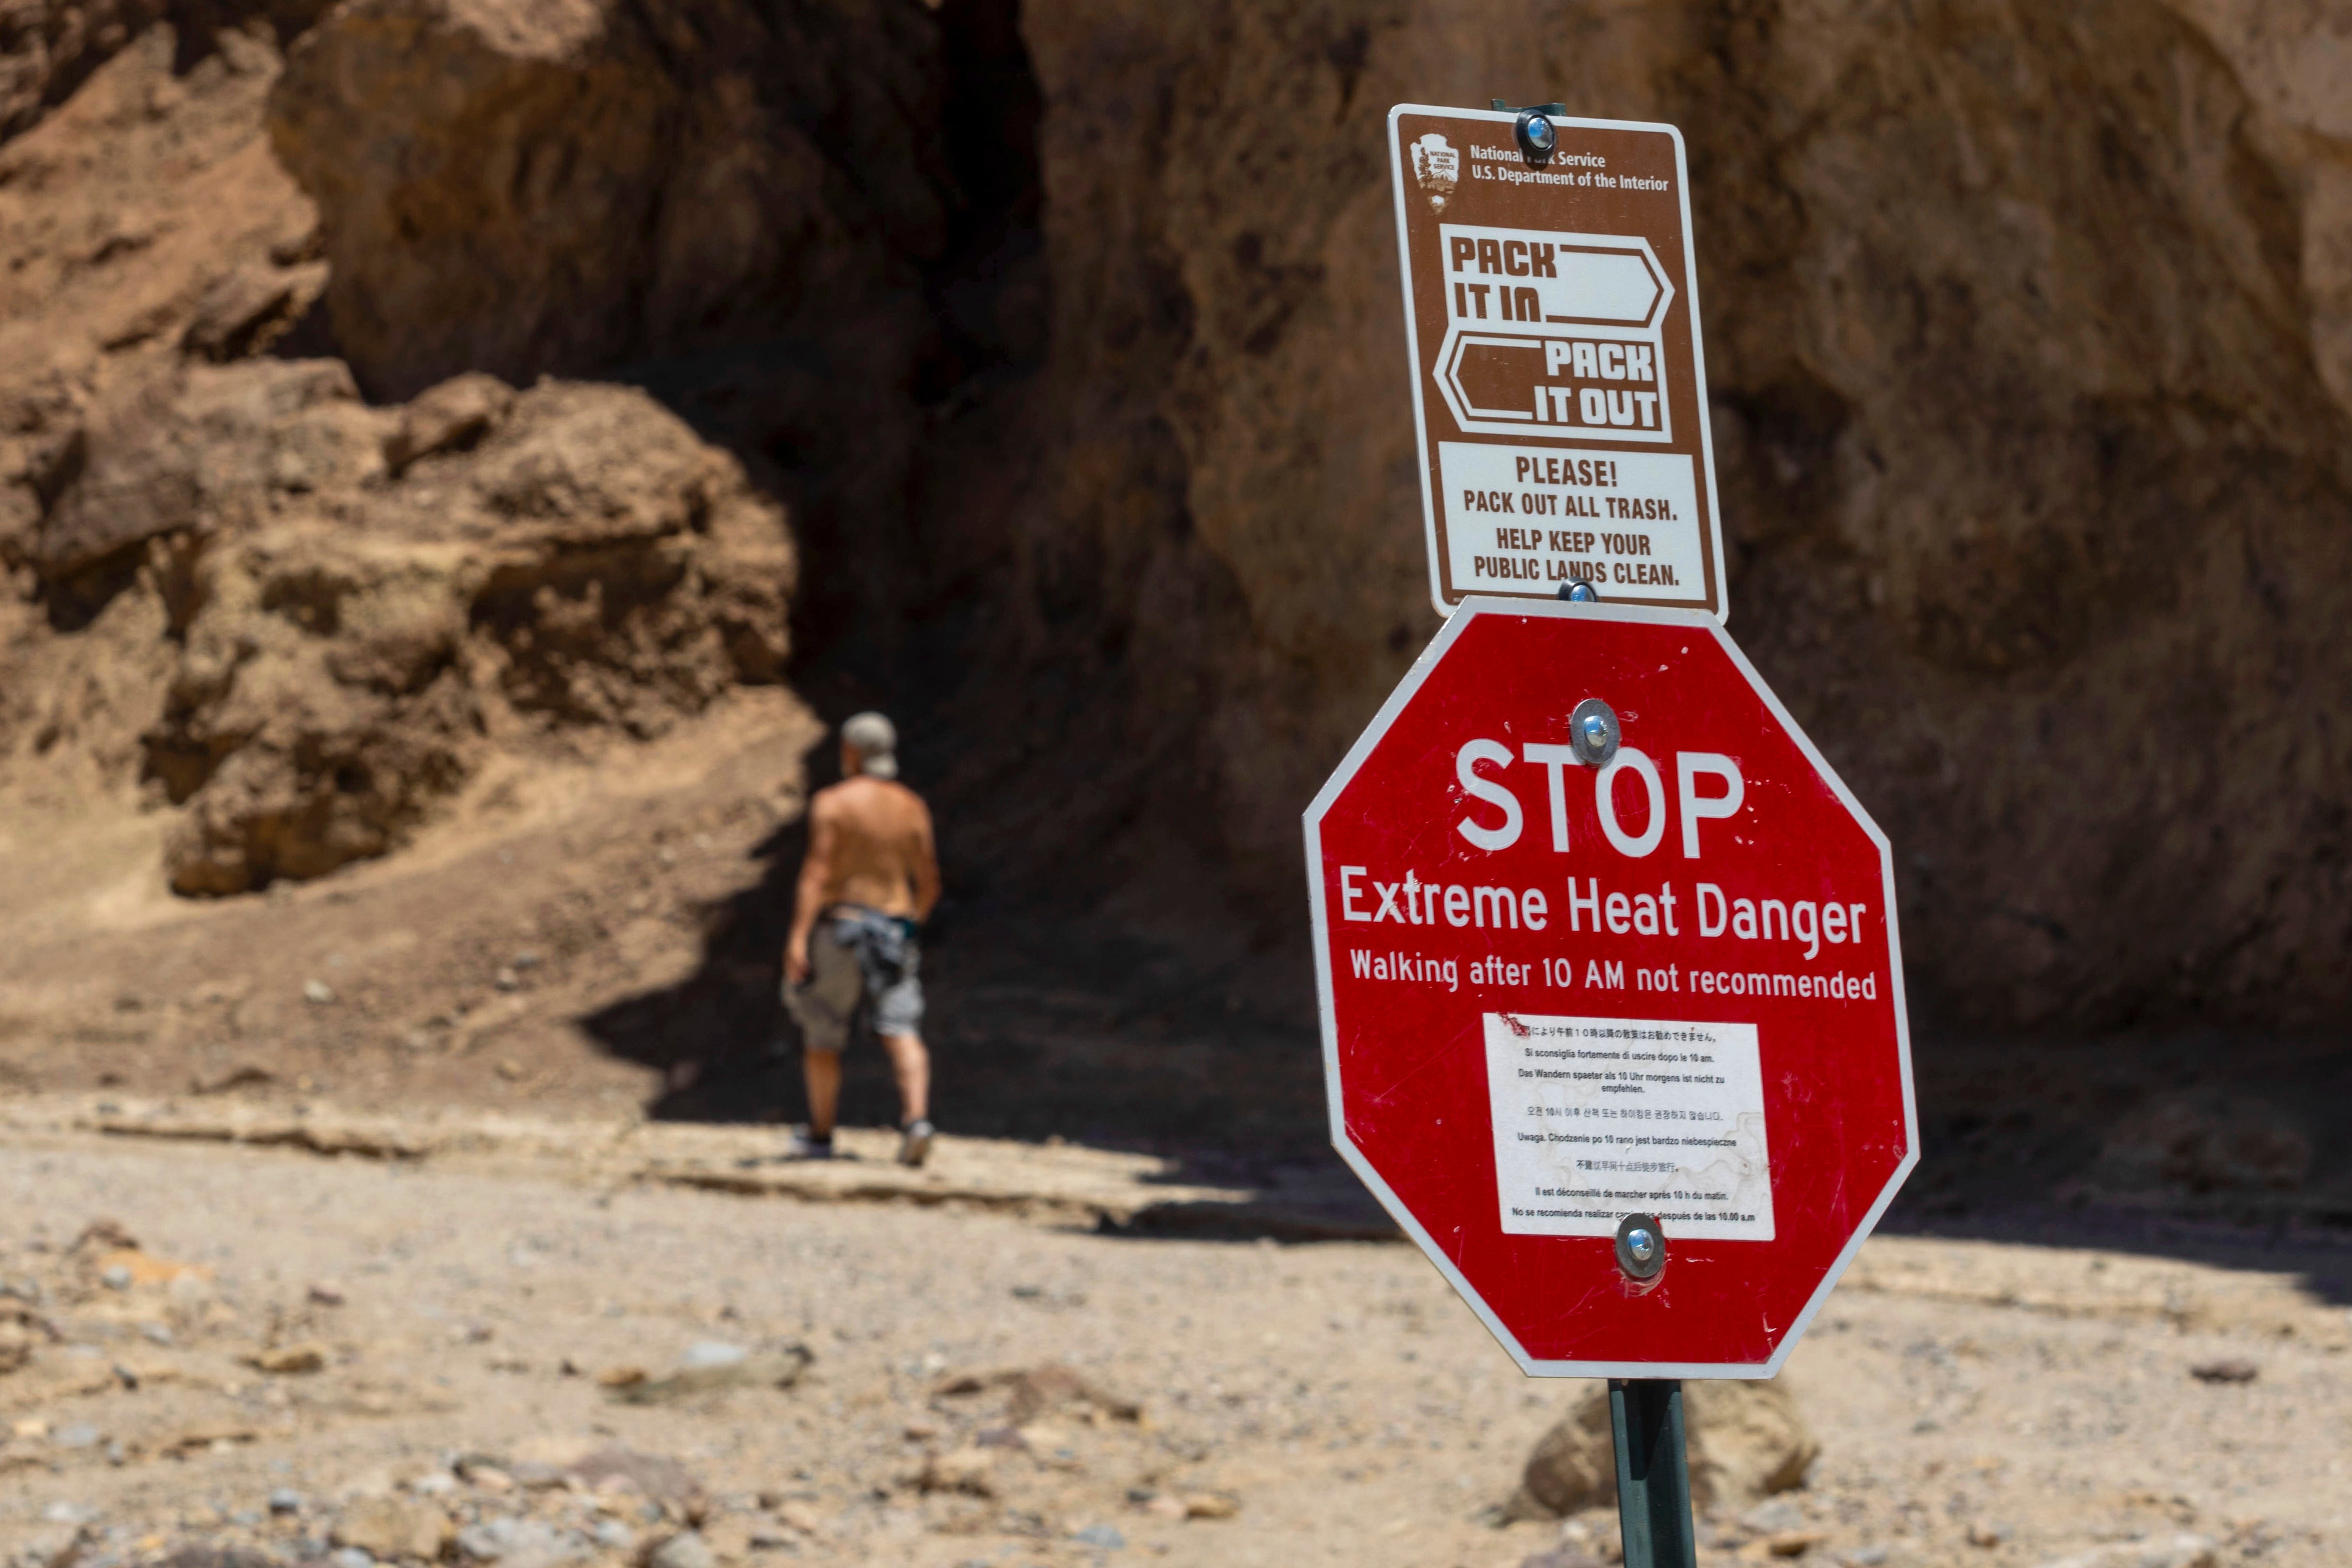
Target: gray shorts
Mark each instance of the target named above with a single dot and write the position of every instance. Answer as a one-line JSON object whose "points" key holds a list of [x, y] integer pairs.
{"points": [[858, 956]]}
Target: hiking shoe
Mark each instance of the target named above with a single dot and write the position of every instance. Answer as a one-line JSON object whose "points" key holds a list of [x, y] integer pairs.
{"points": [[804, 1147], [914, 1143]]}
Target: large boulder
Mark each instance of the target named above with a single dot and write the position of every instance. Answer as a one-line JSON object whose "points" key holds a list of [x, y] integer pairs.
{"points": [[571, 556], [1746, 1440]]}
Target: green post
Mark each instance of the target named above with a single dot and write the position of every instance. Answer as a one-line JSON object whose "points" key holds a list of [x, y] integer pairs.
{"points": [[1653, 1505]]}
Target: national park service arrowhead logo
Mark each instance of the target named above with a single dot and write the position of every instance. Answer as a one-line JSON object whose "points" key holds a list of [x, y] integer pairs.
{"points": [[1438, 169]]}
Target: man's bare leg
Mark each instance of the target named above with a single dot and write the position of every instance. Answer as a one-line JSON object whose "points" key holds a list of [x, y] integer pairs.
{"points": [[822, 1071], [912, 1064]]}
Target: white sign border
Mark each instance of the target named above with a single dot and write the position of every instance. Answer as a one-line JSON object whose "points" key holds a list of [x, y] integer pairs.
{"points": [[1447, 635], [1706, 455]]}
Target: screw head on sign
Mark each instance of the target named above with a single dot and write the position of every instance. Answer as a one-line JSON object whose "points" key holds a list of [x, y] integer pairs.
{"points": [[1593, 730], [1580, 592], [1538, 136], [1641, 1247]]}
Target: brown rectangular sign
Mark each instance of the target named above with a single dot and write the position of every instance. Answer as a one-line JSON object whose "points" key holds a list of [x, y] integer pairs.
{"points": [[1559, 389]]}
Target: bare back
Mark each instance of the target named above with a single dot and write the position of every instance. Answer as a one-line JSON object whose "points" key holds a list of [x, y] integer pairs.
{"points": [[870, 844]]}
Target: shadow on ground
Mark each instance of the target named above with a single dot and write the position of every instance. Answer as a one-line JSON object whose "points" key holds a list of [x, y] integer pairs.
{"points": [[2230, 1150], [1038, 1029], [2206, 1145]]}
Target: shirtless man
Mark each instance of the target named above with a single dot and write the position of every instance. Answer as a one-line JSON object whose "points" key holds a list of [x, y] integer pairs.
{"points": [[870, 880]]}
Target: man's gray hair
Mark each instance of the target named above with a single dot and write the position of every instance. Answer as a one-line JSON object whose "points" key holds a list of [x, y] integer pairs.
{"points": [[876, 740]]}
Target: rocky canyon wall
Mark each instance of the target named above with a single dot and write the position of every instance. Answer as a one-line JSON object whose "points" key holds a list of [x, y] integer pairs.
{"points": [[241, 592], [2026, 335], [1067, 336]]}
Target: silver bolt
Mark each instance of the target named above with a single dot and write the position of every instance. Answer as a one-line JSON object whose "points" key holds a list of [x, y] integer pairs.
{"points": [[1641, 1247], [1593, 728], [1537, 135]]}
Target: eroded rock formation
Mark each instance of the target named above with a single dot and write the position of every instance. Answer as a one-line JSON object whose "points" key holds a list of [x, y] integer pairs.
{"points": [[575, 558], [1071, 334], [572, 185], [298, 617], [2026, 336]]}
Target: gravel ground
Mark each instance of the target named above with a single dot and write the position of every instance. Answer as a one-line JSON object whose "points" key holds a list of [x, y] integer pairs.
{"points": [[470, 1333]]}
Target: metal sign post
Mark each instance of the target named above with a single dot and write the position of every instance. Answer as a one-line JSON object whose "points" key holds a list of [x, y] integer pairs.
{"points": [[1653, 1502], [1605, 953]]}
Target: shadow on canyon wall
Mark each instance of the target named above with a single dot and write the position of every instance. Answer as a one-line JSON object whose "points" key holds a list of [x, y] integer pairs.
{"points": [[1121, 960]]}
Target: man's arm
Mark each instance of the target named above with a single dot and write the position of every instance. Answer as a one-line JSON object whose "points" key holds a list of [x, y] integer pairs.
{"points": [[808, 902], [927, 864]]}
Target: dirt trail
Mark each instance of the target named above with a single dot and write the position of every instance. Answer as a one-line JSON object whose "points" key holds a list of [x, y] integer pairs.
{"points": [[484, 1312]]}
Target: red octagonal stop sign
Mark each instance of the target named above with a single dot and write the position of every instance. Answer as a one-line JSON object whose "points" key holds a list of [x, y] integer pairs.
{"points": [[1557, 994]]}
